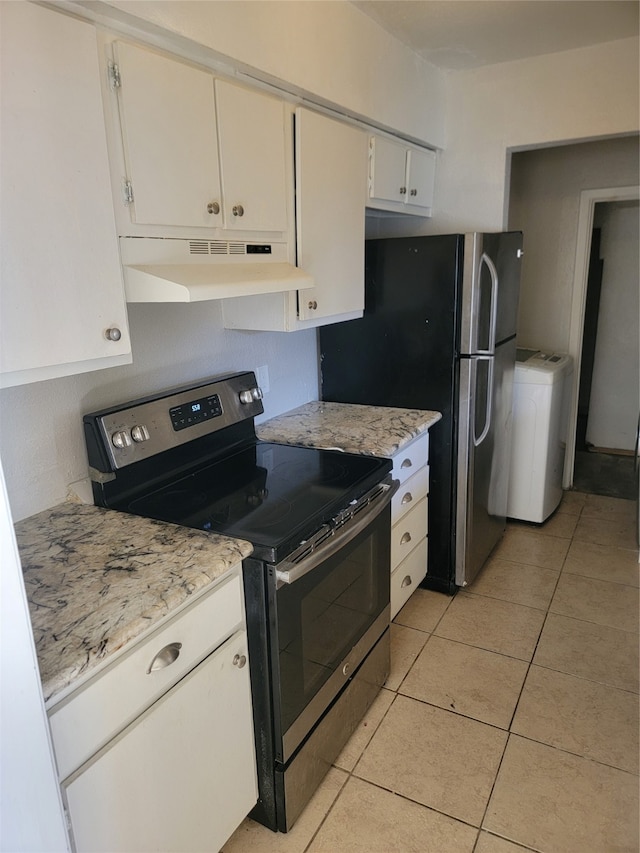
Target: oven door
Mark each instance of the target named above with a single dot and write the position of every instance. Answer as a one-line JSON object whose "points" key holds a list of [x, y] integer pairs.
{"points": [[327, 613]]}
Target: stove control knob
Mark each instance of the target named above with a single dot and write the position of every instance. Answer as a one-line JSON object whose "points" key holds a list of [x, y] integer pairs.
{"points": [[140, 433], [251, 395], [121, 439]]}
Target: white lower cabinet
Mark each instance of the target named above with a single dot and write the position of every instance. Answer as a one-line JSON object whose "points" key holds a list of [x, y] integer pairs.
{"points": [[409, 521], [406, 577], [181, 775]]}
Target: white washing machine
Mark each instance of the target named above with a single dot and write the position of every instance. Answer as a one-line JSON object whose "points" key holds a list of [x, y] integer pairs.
{"points": [[541, 393]]}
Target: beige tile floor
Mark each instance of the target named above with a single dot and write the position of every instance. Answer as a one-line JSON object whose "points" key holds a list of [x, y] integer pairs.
{"points": [[509, 721]]}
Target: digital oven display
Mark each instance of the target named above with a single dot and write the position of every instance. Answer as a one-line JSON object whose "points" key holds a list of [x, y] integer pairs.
{"points": [[189, 414]]}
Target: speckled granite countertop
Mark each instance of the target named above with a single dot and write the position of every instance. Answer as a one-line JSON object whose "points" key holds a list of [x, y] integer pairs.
{"points": [[96, 579], [367, 430]]}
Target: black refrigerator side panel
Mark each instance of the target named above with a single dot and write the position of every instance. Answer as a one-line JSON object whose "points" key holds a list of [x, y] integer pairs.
{"points": [[403, 353]]}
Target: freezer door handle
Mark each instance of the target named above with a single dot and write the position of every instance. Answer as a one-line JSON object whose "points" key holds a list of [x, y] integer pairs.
{"points": [[637, 453], [478, 439], [493, 320]]}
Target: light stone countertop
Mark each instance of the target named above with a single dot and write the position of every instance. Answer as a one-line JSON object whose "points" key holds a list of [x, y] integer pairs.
{"points": [[96, 579], [352, 428]]}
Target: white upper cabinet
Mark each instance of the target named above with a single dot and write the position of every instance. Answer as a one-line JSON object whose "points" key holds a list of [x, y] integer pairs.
{"points": [[331, 189], [401, 176], [62, 306], [198, 152], [170, 139], [252, 131]]}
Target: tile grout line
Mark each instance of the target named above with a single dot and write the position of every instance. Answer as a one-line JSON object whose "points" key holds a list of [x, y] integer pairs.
{"points": [[524, 681]]}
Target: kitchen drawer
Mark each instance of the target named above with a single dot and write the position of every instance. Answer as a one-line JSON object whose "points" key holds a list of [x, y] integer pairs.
{"points": [[406, 534], [410, 493], [407, 461], [407, 576], [88, 719]]}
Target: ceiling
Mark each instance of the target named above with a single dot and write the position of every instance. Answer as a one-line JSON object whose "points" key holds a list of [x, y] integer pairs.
{"points": [[459, 34]]}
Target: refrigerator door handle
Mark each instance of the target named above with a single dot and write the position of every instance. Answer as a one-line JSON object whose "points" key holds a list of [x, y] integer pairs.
{"points": [[493, 321], [636, 459], [478, 439]]}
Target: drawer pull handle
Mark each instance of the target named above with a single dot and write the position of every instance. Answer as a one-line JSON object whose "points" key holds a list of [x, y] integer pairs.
{"points": [[407, 581], [408, 497], [165, 657], [406, 537], [407, 463], [239, 660]]}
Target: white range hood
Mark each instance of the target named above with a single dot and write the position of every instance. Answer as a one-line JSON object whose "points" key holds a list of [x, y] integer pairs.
{"points": [[158, 269]]}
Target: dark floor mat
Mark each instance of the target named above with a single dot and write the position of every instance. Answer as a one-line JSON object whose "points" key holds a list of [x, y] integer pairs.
{"points": [[605, 474]]}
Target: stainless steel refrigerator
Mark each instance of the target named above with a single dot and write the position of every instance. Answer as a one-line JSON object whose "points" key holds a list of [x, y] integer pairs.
{"points": [[438, 332]]}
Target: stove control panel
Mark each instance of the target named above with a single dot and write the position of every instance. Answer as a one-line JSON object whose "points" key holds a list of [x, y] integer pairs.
{"points": [[195, 411], [144, 428]]}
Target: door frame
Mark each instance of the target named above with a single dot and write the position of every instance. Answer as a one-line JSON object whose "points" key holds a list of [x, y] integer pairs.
{"points": [[588, 201]]}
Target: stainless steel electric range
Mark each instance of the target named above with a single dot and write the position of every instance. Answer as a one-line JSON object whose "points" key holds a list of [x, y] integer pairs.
{"points": [[317, 584]]}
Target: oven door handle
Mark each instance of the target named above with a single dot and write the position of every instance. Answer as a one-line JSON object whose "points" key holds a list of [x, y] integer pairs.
{"points": [[288, 573]]}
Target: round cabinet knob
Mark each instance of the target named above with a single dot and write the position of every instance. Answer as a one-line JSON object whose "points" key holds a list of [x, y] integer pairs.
{"points": [[313, 305], [140, 433], [113, 334], [406, 581], [213, 207], [238, 210], [239, 660], [406, 537], [406, 498], [121, 439]]}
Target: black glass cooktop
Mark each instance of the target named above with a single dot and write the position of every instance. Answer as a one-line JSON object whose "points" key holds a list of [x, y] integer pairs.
{"points": [[272, 495]]}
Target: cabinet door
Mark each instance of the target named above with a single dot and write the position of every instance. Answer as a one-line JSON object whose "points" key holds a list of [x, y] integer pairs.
{"points": [[182, 777], [61, 276], [169, 134], [331, 185], [252, 158], [421, 170], [388, 170]]}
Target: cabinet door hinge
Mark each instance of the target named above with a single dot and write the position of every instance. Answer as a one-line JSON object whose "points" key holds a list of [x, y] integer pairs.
{"points": [[127, 191], [114, 75]]}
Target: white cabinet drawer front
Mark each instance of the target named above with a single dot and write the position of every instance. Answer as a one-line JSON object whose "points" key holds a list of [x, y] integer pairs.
{"points": [[182, 777], [405, 579], [406, 534], [410, 493], [98, 711], [407, 461]]}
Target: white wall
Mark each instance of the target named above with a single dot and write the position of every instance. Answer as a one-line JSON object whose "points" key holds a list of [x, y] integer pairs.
{"points": [[328, 51], [545, 201], [579, 94], [614, 402], [41, 438]]}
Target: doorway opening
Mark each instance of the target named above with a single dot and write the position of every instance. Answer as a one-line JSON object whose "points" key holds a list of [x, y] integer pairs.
{"points": [[604, 339]]}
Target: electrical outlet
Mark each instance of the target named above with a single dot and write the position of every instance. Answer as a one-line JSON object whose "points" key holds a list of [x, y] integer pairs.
{"points": [[262, 375]]}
